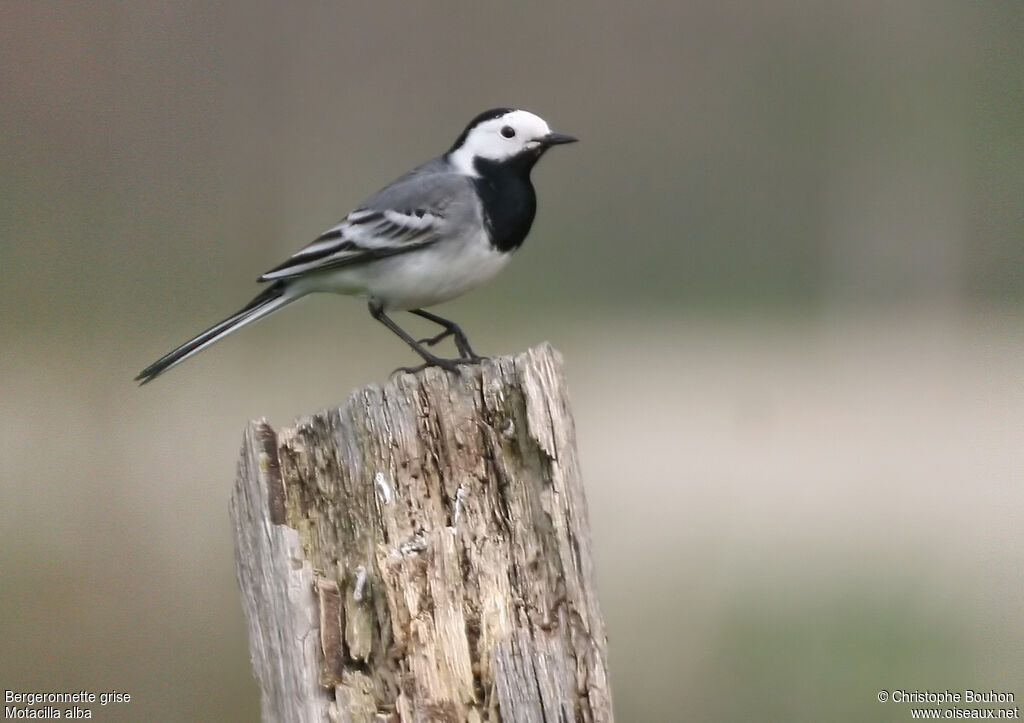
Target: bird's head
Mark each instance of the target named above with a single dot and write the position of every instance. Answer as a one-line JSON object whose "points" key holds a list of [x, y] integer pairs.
{"points": [[504, 135]]}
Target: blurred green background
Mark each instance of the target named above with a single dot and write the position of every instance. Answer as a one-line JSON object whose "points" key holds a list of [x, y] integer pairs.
{"points": [[784, 265]]}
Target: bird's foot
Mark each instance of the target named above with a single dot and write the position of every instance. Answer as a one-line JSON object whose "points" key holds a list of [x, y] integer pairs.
{"points": [[466, 353], [449, 365], [471, 357]]}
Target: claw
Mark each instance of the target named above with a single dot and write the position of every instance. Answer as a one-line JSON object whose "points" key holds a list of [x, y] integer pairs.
{"points": [[408, 370], [449, 365]]}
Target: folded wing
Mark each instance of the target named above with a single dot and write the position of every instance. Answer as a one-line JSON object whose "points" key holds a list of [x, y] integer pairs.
{"points": [[415, 211]]}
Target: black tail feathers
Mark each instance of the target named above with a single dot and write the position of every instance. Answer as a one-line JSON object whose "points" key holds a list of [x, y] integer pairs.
{"points": [[270, 300]]}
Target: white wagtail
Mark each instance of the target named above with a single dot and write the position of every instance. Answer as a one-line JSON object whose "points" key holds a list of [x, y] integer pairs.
{"points": [[435, 233]]}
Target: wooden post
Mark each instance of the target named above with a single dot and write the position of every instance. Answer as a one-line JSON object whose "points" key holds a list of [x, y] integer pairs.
{"points": [[422, 553]]}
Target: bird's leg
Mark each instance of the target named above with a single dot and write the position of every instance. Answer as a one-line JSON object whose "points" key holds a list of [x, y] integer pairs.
{"points": [[377, 312], [450, 329], [437, 339]]}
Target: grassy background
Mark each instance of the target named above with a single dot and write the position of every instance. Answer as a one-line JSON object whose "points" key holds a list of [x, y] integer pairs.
{"points": [[784, 266]]}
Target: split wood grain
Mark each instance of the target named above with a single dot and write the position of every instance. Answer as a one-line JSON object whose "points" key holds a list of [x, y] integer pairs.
{"points": [[422, 553]]}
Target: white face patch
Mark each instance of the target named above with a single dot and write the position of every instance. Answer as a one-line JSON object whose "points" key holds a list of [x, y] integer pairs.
{"points": [[500, 138]]}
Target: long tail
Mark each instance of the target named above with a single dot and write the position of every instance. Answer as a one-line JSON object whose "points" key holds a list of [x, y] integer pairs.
{"points": [[266, 303]]}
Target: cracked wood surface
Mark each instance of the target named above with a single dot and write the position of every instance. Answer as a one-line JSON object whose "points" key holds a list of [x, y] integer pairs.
{"points": [[422, 553]]}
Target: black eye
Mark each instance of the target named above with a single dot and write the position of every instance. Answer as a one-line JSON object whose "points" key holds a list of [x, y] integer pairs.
{"points": [[508, 132]]}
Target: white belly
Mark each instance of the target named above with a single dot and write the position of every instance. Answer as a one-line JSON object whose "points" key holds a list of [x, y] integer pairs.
{"points": [[419, 278]]}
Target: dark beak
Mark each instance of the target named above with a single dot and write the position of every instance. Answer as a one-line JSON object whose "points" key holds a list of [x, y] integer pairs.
{"points": [[557, 139]]}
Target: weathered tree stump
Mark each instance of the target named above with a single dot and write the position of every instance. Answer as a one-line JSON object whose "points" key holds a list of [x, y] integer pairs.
{"points": [[422, 553]]}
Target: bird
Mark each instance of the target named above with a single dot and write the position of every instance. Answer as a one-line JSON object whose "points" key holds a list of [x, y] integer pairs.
{"points": [[442, 229]]}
